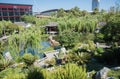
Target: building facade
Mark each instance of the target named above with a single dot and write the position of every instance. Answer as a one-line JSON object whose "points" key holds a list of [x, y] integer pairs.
{"points": [[95, 4], [13, 12]]}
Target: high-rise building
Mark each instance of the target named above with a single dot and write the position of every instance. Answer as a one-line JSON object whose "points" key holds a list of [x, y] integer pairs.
{"points": [[13, 12], [95, 4]]}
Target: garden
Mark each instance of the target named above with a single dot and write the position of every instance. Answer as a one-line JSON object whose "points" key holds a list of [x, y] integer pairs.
{"points": [[81, 34]]}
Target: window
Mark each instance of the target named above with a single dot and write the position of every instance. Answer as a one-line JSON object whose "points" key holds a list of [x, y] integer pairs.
{"points": [[10, 8], [22, 13], [17, 13], [21, 9], [0, 14], [11, 14], [0, 18], [5, 18], [12, 19], [4, 8], [5, 14], [17, 19]]}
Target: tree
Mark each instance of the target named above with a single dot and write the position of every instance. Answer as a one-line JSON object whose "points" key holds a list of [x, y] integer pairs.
{"points": [[68, 38], [112, 29], [95, 11], [61, 13], [75, 11]]}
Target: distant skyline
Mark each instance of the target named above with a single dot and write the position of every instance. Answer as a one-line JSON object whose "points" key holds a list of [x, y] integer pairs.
{"points": [[42, 5]]}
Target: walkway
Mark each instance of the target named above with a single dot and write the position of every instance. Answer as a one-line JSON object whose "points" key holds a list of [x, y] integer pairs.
{"points": [[49, 55]]}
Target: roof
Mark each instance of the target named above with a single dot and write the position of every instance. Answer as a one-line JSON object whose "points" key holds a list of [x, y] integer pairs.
{"points": [[16, 4], [22, 24], [53, 24]]}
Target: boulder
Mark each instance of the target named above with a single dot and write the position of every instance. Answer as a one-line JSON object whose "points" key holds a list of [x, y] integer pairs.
{"points": [[8, 56], [116, 68], [109, 78], [102, 74]]}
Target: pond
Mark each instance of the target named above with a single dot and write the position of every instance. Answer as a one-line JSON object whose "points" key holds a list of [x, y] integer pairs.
{"points": [[34, 51]]}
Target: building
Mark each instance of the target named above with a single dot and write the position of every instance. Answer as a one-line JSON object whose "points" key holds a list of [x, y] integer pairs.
{"points": [[52, 28], [49, 12], [95, 4], [13, 12]]}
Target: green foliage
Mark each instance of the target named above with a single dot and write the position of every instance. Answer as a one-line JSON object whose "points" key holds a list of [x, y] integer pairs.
{"points": [[51, 62], [112, 31], [61, 13], [34, 20], [35, 73], [110, 56], [99, 37], [16, 76], [73, 12], [87, 46], [114, 73], [11, 73], [31, 37], [8, 28], [83, 24], [2, 47], [95, 11], [47, 49], [68, 39], [28, 58], [70, 71], [5, 63], [80, 58], [100, 50]]}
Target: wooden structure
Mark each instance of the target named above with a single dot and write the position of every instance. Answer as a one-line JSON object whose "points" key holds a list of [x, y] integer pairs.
{"points": [[52, 28]]}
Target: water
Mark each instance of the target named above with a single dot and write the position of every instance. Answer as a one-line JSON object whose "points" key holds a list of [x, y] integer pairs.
{"points": [[35, 50], [45, 45]]}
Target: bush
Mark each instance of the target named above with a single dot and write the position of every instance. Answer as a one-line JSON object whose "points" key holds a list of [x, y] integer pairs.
{"points": [[80, 58], [28, 58], [4, 64], [11, 73], [35, 73], [51, 62], [16, 76], [114, 74], [70, 71]]}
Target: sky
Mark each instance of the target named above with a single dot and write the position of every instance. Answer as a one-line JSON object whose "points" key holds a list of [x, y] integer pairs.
{"points": [[42, 5]]}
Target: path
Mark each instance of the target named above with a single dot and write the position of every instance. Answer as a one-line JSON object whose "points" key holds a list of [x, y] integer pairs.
{"points": [[49, 55]]}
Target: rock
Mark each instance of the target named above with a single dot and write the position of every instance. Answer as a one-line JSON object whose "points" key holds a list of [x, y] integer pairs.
{"points": [[63, 50], [109, 78], [17, 64], [8, 56], [116, 68], [102, 74]]}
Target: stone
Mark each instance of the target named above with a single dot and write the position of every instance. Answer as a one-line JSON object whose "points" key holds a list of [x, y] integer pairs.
{"points": [[8, 56], [109, 78], [116, 68], [63, 50], [102, 74]]}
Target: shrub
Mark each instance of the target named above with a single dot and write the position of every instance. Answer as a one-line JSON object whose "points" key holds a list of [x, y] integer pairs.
{"points": [[16, 76], [11, 73], [35, 73], [70, 71], [51, 62], [80, 58], [114, 74], [4, 64], [28, 58]]}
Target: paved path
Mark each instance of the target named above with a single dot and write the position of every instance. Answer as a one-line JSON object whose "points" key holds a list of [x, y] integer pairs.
{"points": [[49, 55]]}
